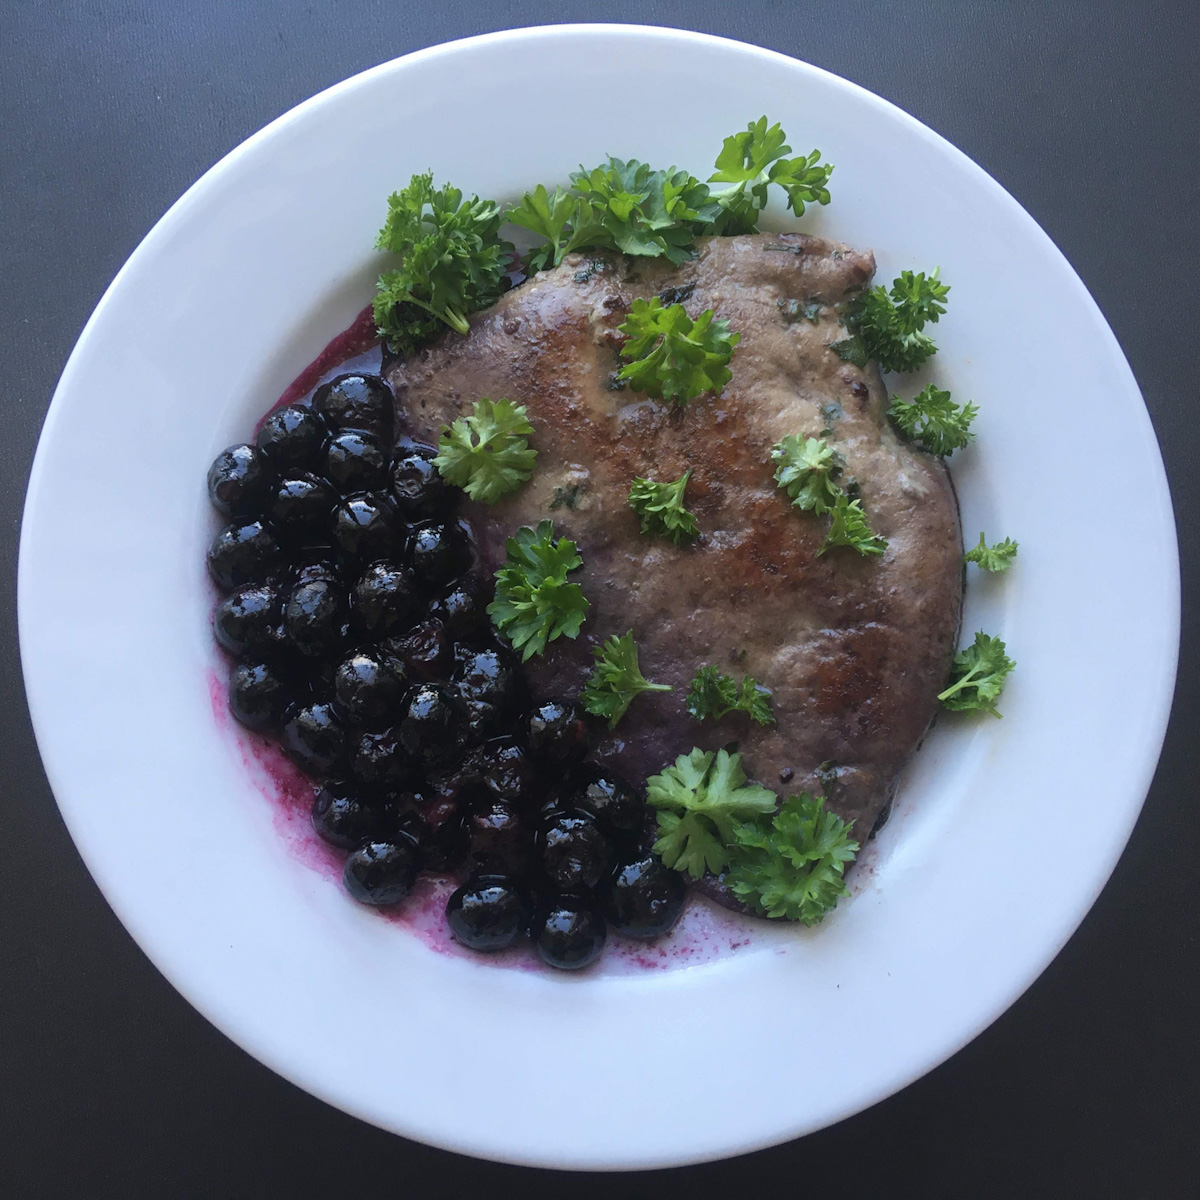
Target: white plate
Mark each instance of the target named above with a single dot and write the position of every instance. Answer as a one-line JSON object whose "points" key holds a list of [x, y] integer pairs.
{"points": [[1005, 832]]}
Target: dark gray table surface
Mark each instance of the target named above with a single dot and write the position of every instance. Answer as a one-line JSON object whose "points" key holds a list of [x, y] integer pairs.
{"points": [[110, 1084]]}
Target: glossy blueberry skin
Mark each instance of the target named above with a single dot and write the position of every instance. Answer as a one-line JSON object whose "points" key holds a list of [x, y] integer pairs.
{"points": [[386, 600], [424, 651], [356, 461], [556, 733], [313, 738], [258, 695], [569, 934], [431, 726], [438, 553], [443, 831], [357, 401], [463, 610], [244, 552], [382, 873], [367, 691], [487, 675], [343, 818], [291, 438], [239, 481], [300, 510], [316, 614], [644, 898], [488, 914], [364, 529], [377, 760], [608, 798], [500, 840], [575, 855], [508, 773], [247, 621], [419, 489]]}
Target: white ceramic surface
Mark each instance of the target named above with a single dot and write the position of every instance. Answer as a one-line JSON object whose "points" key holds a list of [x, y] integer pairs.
{"points": [[242, 282]]}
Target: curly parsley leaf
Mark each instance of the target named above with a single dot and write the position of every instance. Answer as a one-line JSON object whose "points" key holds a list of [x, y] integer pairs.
{"points": [[486, 453], [660, 507], [550, 216], [674, 357], [977, 676], [887, 324], [992, 558], [699, 799], [791, 865], [807, 470], [748, 163], [934, 420], [849, 527], [534, 602], [453, 262], [616, 680], [715, 694]]}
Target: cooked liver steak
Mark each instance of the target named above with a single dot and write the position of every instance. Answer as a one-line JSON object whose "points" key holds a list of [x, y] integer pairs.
{"points": [[854, 649]]}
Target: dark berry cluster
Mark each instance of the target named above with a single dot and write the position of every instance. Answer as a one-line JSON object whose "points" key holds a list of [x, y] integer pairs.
{"points": [[357, 615]]}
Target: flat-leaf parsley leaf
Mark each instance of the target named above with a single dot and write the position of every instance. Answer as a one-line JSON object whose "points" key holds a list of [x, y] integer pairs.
{"points": [[992, 558], [674, 357], [698, 799], [934, 420], [486, 453], [977, 676], [616, 680], [660, 507], [715, 694], [534, 602]]}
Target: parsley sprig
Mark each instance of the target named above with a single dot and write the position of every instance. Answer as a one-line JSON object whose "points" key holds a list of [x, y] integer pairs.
{"points": [[977, 676], [674, 357], [934, 420], [660, 507], [534, 603], [698, 799], [887, 325], [849, 527], [486, 453], [616, 680], [992, 558], [452, 262], [791, 864], [715, 694]]}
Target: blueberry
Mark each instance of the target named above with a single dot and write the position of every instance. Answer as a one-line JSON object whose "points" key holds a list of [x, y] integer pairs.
{"points": [[487, 914], [365, 529], [481, 721], [247, 621], [344, 818], [238, 482], [425, 651], [300, 510], [430, 727], [258, 695], [419, 489], [313, 739], [575, 854], [368, 691], [463, 610], [356, 462], [378, 760], [244, 552], [291, 438], [443, 833], [382, 873], [608, 798], [438, 552], [508, 772], [386, 600], [357, 401], [644, 898], [316, 613], [499, 840], [569, 934], [557, 733], [487, 675]]}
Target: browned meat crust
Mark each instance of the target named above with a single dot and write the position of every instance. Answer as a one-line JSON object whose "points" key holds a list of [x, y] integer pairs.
{"points": [[854, 649]]}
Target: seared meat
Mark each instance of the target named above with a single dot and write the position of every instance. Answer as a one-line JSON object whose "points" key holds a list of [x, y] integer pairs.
{"points": [[853, 649]]}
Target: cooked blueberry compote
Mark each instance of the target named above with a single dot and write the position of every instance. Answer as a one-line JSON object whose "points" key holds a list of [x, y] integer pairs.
{"points": [[355, 611]]}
